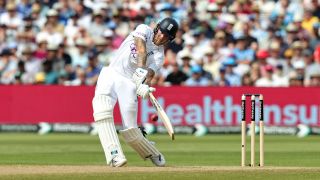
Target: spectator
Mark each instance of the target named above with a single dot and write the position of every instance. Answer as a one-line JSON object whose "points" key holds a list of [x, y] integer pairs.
{"points": [[177, 44], [243, 56], [266, 80], [64, 10], [41, 52], [220, 47], [246, 80], [193, 20], [53, 21], [221, 80], [255, 72], [79, 80], [233, 78], [279, 77], [292, 33], [309, 20], [72, 29], [295, 80], [31, 65], [19, 73], [8, 67], [12, 20], [64, 59], [227, 23], [213, 11], [275, 57], [166, 68], [196, 78], [2, 6], [262, 56], [3, 35], [287, 9], [315, 36], [314, 68], [211, 63], [201, 44], [104, 50], [84, 36], [315, 80], [97, 26], [299, 68], [296, 52], [307, 57], [93, 69], [189, 43], [80, 54], [39, 20], [29, 28], [204, 73], [50, 76], [186, 57], [113, 39], [24, 8], [315, 5], [221, 5], [176, 77], [251, 42], [301, 32], [63, 56], [49, 35]]}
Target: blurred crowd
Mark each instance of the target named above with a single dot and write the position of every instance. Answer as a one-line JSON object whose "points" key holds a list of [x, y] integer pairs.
{"points": [[263, 43]]}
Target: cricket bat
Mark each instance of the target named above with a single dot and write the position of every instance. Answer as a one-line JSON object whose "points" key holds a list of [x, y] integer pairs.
{"points": [[162, 115]]}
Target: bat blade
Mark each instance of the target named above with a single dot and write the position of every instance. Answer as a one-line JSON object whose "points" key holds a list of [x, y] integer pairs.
{"points": [[162, 115]]}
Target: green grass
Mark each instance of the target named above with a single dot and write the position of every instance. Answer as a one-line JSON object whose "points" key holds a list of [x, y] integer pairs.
{"points": [[175, 175], [186, 150]]}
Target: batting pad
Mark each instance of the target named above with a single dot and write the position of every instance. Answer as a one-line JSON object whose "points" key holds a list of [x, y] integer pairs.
{"points": [[106, 128], [140, 144]]}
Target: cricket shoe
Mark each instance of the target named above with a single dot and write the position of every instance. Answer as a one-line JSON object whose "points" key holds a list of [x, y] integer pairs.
{"points": [[118, 161], [158, 160]]}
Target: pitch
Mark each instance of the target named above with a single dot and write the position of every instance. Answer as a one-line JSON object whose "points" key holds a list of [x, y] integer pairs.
{"points": [[79, 156]]}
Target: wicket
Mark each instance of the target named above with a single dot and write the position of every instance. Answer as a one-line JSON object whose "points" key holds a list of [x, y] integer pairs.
{"points": [[252, 133]]}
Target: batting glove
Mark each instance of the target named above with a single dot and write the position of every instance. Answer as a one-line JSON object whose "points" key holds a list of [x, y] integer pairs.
{"points": [[144, 90], [139, 76]]}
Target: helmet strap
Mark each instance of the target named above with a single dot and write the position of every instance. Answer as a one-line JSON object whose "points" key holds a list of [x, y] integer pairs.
{"points": [[156, 29]]}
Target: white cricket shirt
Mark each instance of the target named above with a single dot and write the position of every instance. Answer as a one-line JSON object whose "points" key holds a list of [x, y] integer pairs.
{"points": [[125, 59]]}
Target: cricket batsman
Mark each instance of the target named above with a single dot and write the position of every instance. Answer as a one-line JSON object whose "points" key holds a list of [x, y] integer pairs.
{"points": [[129, 74]]}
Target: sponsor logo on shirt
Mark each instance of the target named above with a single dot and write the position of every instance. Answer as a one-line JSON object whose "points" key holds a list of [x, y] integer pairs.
{"points": [[133, 49], [150, 53]]}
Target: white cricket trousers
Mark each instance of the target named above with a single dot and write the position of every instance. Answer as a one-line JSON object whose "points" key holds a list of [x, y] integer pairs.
{"points": [[118, 87]]}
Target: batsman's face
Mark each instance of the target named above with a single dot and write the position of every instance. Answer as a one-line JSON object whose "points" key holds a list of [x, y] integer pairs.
{"points": [[160, 38]]}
